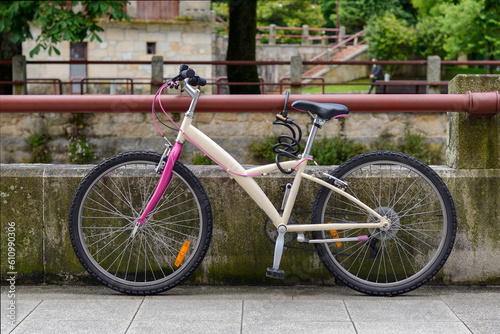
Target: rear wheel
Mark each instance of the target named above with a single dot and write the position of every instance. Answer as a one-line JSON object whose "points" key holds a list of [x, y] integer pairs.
{"points": [[422, 231], [165, 250]]}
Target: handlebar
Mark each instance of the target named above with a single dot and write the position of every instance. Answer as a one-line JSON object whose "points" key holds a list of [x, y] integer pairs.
{"points": [[188, 73], [197, 81]]}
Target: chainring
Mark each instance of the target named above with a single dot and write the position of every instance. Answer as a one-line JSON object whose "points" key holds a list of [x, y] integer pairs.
{"points": [[272, 233]]}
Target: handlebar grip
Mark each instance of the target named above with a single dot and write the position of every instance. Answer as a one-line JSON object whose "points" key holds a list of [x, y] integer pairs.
{"points": [[197, 81], [189, 73]]}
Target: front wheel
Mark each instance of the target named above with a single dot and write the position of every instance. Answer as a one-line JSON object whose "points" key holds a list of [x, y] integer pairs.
{"points": [[158, 255], [422, 231]]}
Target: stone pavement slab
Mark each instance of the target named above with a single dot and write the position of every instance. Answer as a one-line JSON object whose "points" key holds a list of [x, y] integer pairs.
{"points": [[250, 309]]}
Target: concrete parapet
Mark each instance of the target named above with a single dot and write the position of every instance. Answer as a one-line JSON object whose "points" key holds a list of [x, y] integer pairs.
{"points": [[296, 74], [19, 74], [37, 199], [433, 74], [473, 141], [156, 73]]}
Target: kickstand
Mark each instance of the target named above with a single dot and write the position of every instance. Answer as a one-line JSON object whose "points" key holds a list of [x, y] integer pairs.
{"points": [[274, 272]]}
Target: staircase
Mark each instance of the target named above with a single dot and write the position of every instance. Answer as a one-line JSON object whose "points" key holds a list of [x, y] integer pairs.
{"points": [[348, 53], [346, 50]]}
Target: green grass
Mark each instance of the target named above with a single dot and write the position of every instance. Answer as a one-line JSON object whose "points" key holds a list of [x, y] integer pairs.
{"points": [[451, 72], [339, 88]]}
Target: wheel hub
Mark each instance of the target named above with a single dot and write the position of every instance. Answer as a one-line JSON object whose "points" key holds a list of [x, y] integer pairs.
{"points": [[384, 233]]}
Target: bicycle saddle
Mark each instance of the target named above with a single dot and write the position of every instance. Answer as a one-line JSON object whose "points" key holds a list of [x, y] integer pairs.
{"points": [[324, 110]]}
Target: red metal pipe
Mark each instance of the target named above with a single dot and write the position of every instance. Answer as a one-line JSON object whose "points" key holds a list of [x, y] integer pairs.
{"points": [[478, 104], [257, 62]]}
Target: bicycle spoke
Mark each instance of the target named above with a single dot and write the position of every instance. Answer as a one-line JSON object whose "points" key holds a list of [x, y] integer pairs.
{"points": [[406, 253]]}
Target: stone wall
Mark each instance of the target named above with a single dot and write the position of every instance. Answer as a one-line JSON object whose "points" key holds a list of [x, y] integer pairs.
{"points": [[37, 199], [113, 133]]}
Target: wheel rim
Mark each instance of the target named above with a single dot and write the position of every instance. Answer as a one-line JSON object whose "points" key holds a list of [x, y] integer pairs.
{"points": [[107, 217], [411, 246]]}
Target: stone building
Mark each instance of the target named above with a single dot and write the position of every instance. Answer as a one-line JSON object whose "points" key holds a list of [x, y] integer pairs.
{"points": [[177, 29]]}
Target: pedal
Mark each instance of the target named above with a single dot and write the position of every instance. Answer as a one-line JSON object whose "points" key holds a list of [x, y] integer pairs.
{"points": [[275, 273]]}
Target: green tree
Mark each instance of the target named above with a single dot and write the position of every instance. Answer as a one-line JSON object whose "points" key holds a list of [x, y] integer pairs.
{"points": [[329, 11], [294, 13], [57, 20], [430, 38], [428, 7], [390, 38], [450, 28], [355, 14], [473, 27], [447, 28], [290, 13]]}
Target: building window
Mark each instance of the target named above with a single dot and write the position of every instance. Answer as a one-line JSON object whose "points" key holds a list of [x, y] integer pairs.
{"points": [[78, 51], [151, 48]]}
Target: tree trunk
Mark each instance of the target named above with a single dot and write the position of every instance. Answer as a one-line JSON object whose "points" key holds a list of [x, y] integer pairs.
{"points": [[241, 46], [7, 51]]}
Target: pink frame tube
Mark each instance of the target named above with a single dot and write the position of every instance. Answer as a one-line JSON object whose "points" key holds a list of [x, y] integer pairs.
{"points": [[165, 179]]}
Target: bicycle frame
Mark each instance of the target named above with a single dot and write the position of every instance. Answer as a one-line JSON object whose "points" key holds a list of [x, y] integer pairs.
{"points": [[245, 177]]}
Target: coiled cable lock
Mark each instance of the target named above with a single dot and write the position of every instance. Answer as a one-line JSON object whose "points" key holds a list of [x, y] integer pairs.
{"points": [[287, 146]]}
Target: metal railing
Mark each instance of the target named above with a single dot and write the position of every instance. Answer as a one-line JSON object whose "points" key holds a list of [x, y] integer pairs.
{"points": [[477, 104], [218, 82], [271, 33], [415, 86]]}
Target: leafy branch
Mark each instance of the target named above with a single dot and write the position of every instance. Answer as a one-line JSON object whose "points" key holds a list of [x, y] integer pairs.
{"points": [[58, 21]]}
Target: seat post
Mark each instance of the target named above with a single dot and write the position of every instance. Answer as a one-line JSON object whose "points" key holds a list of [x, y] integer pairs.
{"points": [[317, 123]]}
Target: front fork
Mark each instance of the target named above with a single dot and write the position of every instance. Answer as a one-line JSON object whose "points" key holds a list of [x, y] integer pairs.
{"points": [[166, 177]]}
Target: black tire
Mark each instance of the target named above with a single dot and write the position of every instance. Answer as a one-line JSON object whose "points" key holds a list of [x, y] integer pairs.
{"points": [[422, 232], [105, 207]]}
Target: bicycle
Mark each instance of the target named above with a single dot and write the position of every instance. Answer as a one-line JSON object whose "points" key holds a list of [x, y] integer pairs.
{"points": [[383, 223]]}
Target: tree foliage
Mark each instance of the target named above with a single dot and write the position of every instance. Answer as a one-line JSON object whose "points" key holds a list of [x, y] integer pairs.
{"points": [[290, 13], [57, 20], [355, 14], [473, 27], [294, 13], [392, 38], [287, 13], [447, 28]]}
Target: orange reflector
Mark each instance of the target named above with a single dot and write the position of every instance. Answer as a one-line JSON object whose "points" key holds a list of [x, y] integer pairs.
{"points": [[335, 235], [182, 253]]}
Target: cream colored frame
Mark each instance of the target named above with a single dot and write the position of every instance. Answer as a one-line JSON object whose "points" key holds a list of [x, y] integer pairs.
{"points": [[245, 179]]}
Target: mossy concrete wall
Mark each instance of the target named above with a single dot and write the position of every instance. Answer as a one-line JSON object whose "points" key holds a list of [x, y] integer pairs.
{"points": [[37, 199], [473, 141]]}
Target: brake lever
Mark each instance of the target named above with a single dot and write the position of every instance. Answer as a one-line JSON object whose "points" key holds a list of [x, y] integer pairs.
{"points": [[173, 85], [283, 116]]}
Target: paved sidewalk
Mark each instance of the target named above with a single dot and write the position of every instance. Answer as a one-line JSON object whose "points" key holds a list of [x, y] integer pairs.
{"points": [[209, 309]]}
